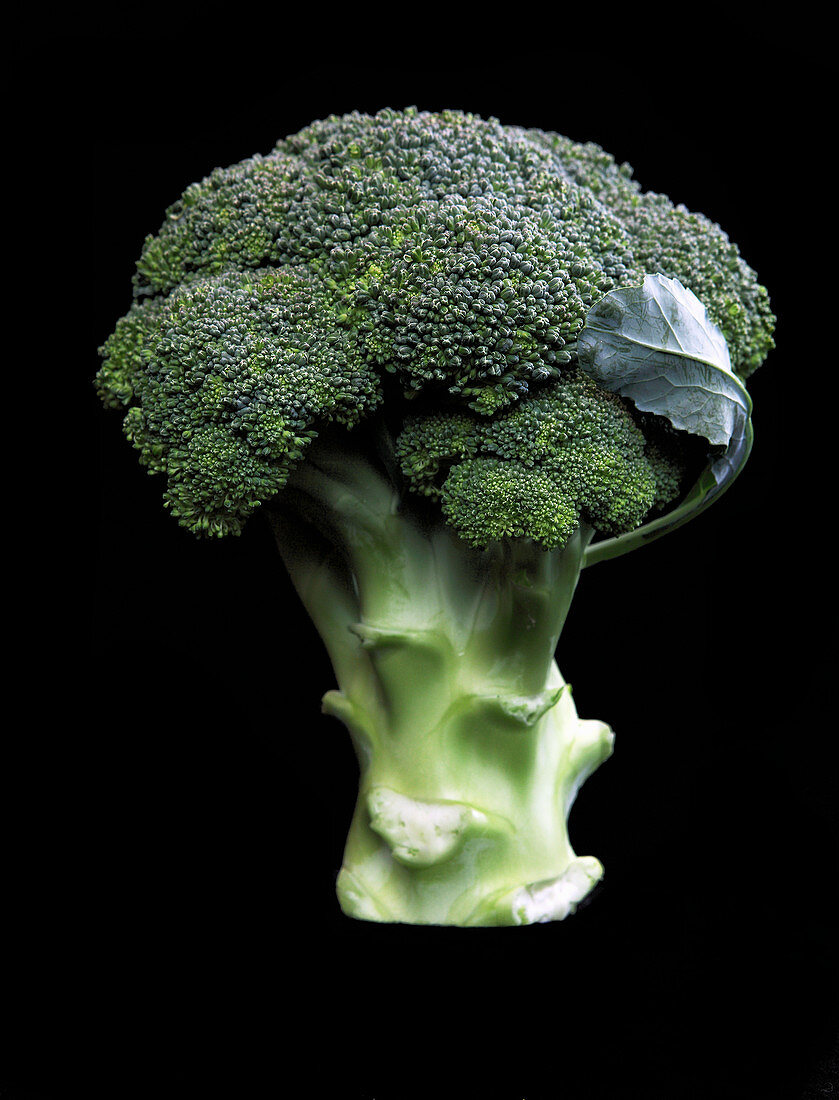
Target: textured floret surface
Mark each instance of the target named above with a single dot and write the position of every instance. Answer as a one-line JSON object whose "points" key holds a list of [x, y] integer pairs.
{"points": [[571, 454]]}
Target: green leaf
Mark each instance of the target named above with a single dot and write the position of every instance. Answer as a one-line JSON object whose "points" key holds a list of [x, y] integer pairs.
{"points": [[656, 346]]}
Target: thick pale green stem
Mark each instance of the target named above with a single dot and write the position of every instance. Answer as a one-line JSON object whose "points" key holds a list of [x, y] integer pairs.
{"points": [[469, 745]]}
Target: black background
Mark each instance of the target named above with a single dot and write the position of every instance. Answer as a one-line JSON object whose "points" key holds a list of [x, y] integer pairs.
{"points": [[175, 802]]}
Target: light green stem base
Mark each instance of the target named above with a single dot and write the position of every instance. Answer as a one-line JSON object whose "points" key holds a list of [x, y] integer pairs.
{"points": [[491, 846], [469, 745]]}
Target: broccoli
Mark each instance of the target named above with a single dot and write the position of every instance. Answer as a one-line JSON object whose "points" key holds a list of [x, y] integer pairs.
{"points": [[452, 362]]}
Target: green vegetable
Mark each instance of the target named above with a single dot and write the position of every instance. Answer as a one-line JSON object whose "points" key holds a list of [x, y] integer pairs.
{"points": [[452, 362]]}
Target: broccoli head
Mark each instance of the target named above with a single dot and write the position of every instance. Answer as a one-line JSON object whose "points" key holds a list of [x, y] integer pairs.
{"points": [[442, 257], [452, 362]]}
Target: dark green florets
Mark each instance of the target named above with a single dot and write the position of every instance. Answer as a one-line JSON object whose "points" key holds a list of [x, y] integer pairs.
{"points": [[444, 258], [572, 454], [237, 370]]}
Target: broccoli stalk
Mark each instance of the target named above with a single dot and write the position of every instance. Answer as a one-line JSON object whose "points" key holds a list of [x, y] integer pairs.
{"points": [[469, 745]]}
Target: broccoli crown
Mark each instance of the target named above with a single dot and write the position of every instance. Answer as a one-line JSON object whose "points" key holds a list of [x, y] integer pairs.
{"points": [[446, 260]]}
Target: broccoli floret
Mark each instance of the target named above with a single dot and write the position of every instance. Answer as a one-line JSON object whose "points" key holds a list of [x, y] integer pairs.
{"points": [[573, 454], [231, 374], [435, 352]]}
